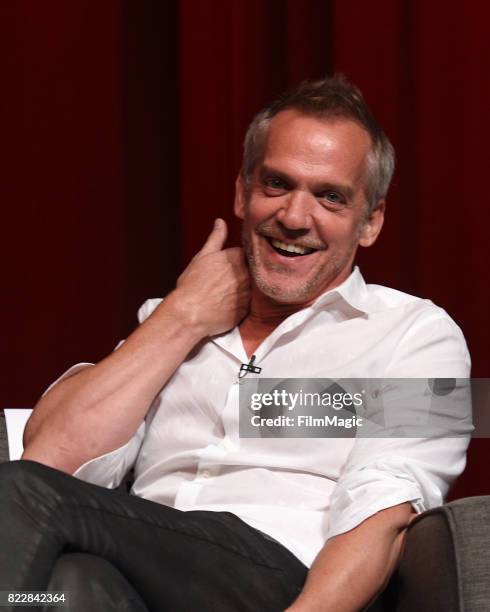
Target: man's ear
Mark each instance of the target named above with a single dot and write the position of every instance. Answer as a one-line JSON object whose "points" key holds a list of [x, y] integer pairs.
{"points": [[239, 204], [373, 224]]}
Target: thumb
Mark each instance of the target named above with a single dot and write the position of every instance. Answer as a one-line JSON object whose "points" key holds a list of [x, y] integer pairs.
{"points": [[216, 238]]}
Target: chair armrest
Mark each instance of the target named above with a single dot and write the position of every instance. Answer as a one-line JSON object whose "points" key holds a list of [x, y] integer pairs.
{"points": [[4, 448], [15, 423], [446, 562]]}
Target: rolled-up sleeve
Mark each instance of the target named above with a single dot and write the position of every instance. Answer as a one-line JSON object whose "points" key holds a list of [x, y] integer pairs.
{"points": [[381, 472], [108, 470], [414, 470]]}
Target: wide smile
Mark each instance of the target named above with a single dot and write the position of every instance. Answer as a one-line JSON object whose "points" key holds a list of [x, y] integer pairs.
{"points": [[289, 250]]}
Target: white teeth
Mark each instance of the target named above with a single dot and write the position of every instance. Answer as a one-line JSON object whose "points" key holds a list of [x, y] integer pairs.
{"points": [[291, 248]]}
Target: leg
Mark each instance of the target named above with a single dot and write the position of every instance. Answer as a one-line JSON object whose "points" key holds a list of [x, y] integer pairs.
{"points": [[94, 584], [174, 560]]}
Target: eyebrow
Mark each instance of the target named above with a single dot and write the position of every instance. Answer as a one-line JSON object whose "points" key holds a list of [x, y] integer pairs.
{"points": [[266, 171]]}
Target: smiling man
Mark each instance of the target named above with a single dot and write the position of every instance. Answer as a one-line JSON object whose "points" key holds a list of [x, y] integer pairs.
{"points": [[305, 208], [218, 522]]}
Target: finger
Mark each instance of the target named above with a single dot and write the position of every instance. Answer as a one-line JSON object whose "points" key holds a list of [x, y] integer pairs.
{"points": [[216, 239]]}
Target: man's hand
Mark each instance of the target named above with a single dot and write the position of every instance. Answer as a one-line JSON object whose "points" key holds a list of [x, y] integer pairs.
{"points": [[213, 292]]}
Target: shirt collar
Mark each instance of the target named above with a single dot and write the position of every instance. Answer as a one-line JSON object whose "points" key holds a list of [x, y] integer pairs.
{"points": [[353, 292], [350, 298]]}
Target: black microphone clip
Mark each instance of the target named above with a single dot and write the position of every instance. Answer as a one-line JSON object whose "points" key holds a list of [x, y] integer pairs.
{"points": [[245, 368]]}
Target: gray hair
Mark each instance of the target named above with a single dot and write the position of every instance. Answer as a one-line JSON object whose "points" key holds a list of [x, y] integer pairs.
{"points": [[331, 97]]}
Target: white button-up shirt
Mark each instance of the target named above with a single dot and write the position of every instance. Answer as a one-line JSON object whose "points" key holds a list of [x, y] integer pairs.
{"points": [[188, 454]]}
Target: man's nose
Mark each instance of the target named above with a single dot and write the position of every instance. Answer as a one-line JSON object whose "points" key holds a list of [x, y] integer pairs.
{"points": [[296, 211]]}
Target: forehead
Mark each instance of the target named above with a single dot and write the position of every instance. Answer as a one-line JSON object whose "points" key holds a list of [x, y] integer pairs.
{"points": [[305, 144]]}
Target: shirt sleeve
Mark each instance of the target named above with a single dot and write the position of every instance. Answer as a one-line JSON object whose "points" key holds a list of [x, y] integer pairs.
{"points": [[108, 470], [381, 472]]}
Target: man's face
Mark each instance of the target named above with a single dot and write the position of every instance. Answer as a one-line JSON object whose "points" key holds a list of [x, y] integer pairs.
{"points": [[304, 214]]}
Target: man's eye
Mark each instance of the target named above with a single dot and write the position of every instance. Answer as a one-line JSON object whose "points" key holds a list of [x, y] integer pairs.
{"points": [[274, 183], [332, 196]]}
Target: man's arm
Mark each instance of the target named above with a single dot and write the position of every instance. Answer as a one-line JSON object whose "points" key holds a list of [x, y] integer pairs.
{"points": [[100, 408], [354, 567]]}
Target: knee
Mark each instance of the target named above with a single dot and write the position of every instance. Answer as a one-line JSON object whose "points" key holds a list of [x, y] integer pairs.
{"points": [[77, 575], [92, 583], [77, 572]]}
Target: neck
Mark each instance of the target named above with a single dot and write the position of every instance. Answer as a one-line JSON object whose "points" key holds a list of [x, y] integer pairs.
{"points": [[266, 312], [264, 316]]}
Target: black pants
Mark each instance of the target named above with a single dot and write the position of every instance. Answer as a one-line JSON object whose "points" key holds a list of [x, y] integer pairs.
{"points": [[114, 551]]}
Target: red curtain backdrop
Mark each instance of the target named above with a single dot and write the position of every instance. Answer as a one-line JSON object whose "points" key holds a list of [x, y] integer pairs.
{"points": [[122, 130]]}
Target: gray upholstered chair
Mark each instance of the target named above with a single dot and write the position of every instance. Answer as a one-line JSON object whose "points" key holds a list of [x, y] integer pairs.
{"points": [[4, 450], [446, 563]]}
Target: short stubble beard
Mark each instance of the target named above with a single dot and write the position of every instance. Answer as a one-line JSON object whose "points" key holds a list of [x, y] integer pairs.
{"points": [[303, 291]]}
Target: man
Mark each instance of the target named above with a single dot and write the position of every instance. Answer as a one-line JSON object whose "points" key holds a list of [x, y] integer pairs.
{"points": [[312, 188]]}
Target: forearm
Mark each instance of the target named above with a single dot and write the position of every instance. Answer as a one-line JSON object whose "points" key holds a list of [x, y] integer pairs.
{"points": [[100, 408], [354, 567]]}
